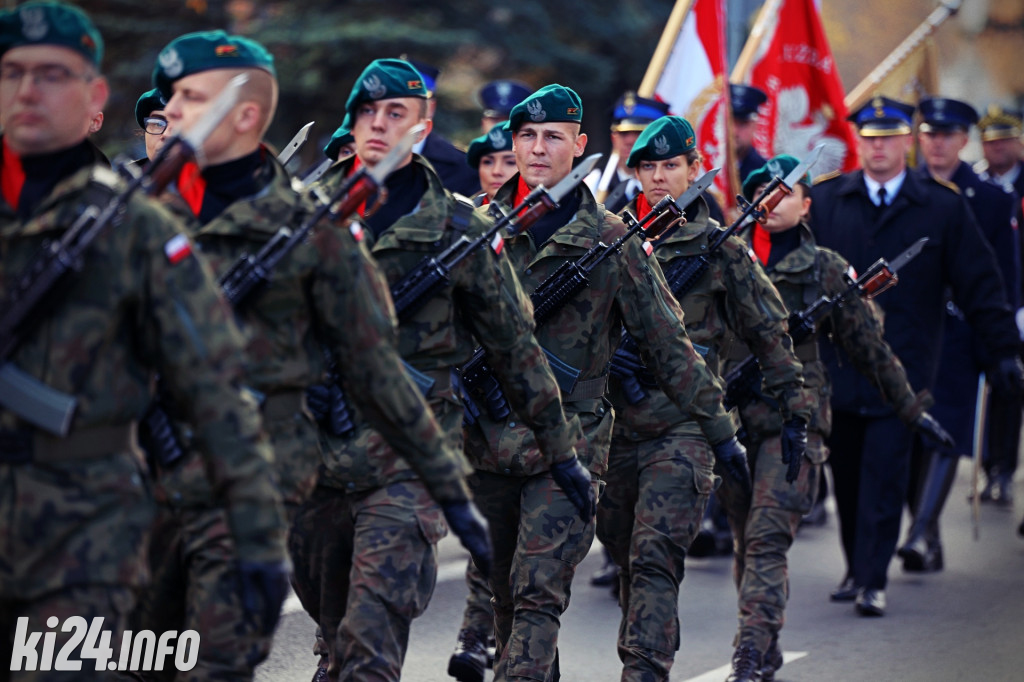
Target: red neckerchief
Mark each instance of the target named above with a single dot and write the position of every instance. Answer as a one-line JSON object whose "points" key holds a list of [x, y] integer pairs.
{"points": [[191, 186], [762, 243], [521, 191], [13, 177], [484, 200], [643, 207], [356, 164]]}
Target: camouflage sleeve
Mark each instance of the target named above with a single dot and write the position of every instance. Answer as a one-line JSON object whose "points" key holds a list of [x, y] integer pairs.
{"points": [[199, 354], [653, 316], [857, 326], [501, 316], [756, 313], [358, 318]]}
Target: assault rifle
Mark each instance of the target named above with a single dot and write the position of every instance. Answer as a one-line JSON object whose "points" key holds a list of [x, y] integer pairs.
{"points": [[743, 382], [51, 269], [560, 287], [627, 365]]}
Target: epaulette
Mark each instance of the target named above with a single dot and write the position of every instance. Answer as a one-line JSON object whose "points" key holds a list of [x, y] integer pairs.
{"points": [[462, 211], [827, 176], [946, 183]]}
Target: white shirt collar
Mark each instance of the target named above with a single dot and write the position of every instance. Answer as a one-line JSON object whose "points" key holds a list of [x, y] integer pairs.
{"points": [[1008, 178], [891, 187]]}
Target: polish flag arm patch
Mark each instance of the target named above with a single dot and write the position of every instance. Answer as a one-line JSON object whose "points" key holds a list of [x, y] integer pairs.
{"points": [[177, 249], [497, 243], [648, 248], [851, 273], [355, 228]]}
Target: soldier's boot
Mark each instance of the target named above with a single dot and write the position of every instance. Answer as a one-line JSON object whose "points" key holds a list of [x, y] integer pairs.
{"points": [[1004, 497], [608, 574], [320, 649], [922, 551], [469, 660], [772, 661], [746, 664], [989, 490]]}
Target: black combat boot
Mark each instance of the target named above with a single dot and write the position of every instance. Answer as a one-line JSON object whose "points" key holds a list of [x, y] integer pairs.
{"points": [[772, 661], [469, 660], [746, 664], [922, 553]]}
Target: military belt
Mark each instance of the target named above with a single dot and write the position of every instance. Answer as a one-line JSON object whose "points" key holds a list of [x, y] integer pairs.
{"points": [[588, 389], [284, 405], [19, 446]]}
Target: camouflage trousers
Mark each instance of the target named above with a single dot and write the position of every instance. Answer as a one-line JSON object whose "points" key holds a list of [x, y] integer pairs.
{"points": [[763, 530], [195, 586], [365, 565], [478, 615], [538, 539], [72, 543], [647, 518]]}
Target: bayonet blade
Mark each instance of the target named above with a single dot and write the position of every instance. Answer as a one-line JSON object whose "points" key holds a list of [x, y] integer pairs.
{"points": [[696, 189], [197, 134], [910, 254], [805, 165], [569, 182], [295, 144], [317, 173], [395, 156]]}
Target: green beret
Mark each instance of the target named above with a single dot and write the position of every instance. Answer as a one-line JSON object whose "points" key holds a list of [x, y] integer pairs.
{"points": [[498, 139], [551, 104], [385, 79], [206, 50], [663, 138], [341, 137], [779, 166], [51, 23], [147, 104]]}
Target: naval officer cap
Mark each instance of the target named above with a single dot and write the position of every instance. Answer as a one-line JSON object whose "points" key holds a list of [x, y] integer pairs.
{"points": [[205, 51], [665, 138], [51, 23], [883, 117], [945, 115], [551, 104]]}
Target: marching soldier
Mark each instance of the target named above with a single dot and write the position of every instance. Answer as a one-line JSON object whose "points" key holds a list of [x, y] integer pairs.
{"points": [[539, 536], [363, 495], [802, 273], [745, 101], [660, 466], [76, 505], [1001, 129], [325, 291], [149, 114], [492, 156]]}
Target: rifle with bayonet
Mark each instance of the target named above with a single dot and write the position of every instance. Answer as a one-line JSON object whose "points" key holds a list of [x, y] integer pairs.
{"points": [[743, 382], [558, 289], [51, 270], [626, 364]]}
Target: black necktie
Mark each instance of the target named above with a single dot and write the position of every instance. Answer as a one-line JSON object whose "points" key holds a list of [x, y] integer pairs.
{"points": [[882, 198]]}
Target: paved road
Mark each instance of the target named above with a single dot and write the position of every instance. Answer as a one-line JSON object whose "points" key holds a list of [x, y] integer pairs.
{"points": [[966, 623]]}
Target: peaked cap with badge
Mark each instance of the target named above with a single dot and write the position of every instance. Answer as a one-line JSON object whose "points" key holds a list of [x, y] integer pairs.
{"points": [[883, 117], [51, 23], [942, 114], [633, 113], [1000, 123], [551, 104], [745, 101], [204, 51], [497, 139], [497, 98], [665, 138]]}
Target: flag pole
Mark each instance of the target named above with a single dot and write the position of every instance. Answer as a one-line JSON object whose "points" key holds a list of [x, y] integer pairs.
{"points": [[862, 90], [741, 71], [664, 48]]}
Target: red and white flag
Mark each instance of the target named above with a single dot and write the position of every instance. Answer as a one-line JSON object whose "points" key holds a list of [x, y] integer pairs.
{"points": [[788, 56], [688, 72]]}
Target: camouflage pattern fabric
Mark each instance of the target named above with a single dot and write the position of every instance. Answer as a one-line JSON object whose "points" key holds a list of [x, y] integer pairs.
{"points": [[370, 569], [649, 514], [478, 615], [195, 587]]}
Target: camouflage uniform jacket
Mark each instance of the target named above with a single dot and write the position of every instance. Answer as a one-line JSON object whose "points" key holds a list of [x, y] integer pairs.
{"points": [[130, 311], [483, 302], [327, 290], [733, 294], [627, 288], [805, 274]]}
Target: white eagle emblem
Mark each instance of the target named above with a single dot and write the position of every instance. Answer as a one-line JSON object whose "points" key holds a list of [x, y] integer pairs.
{"points": [[33, 23], [661, 145], [374, 87], [497, 138], [775, 169], [171, 62], [504, 90], [536, 109]]}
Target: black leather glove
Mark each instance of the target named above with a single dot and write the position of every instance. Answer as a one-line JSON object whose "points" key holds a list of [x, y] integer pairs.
{"points": [[318, 399], [264, 588], [794, 446], [1007, 377], [936, 437], [470, 526], [733, 457], [573, 478]]}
